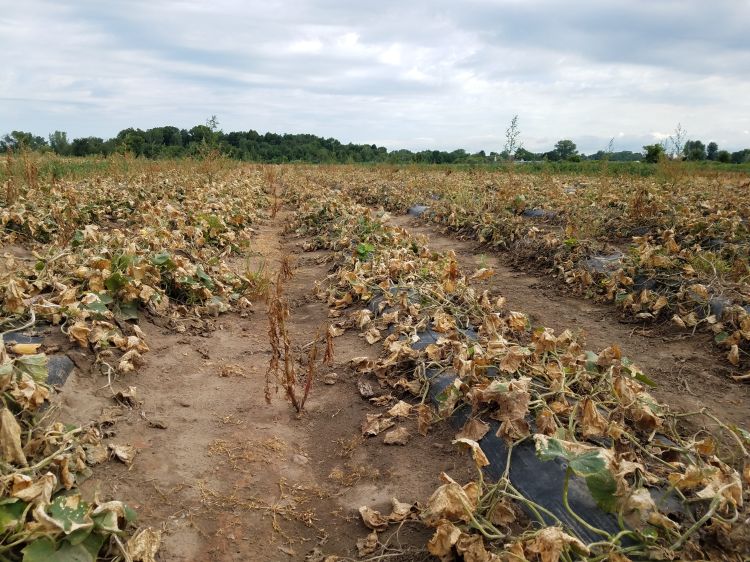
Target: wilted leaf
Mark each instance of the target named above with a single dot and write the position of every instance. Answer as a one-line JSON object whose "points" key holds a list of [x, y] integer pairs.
{"points": [[10, 439], [734, 355], [518, 321], [441, 544], [482, 274], [502, 513], [143, 546], [368, 544], [400, 410], [549, 544], [79, 333], [592, 422], [398, 436], [375, 424], [424, 418], [37, 491], [473, 429], [477, 454], [372, 335], [123, 453], [373, 519], [451, 502], [399, 511]]}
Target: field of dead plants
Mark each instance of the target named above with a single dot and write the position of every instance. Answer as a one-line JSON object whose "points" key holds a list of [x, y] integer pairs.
{"points": [[215, 361]]}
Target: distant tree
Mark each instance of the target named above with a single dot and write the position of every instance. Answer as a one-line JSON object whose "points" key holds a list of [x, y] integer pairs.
{"points": [[523, 154], [91, 145], [20, 139], [694, 150], [565, 149], [59, 143], [724, 156], [512, 139], [653, 152], [135, 143], [677, 140], [712, 151], [741, 156]]}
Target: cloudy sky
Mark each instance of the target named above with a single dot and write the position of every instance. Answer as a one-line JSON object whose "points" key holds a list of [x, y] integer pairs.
{"points": [[405, 74]]}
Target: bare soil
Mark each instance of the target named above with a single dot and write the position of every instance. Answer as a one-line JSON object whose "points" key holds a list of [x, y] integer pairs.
{"points": [[230, 477], [688, 371]]}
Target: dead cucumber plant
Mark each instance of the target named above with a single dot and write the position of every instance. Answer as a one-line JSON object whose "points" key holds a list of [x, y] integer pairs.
{"points": [[676, 252], [95, 256], [169, 255], [590, 411], [43, 516], [285, 363]]}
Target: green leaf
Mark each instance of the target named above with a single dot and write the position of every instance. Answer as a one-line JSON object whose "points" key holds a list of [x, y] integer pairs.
{"points": [[33, 365], [589, 465], [77, 238], [105, 297], [721, 337], [641, 377], [100, 305], [107, 521], [116, 281], [365, 250], [591, 362], [10, 515], [743, 433], [45, 550], [205, 280], [163, 259], [128, 310], [121, 262], [70, 512], [637, 374]]}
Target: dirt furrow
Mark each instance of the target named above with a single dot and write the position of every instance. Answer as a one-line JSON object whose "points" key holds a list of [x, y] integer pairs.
{"points": [[229, 477], [688, 371]]}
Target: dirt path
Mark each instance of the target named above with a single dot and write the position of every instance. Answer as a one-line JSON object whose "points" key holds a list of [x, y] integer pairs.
{"points": [[688, 371], [229, 477]]}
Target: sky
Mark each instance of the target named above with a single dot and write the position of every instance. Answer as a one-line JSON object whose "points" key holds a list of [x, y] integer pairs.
{"points": [[423, 74]]}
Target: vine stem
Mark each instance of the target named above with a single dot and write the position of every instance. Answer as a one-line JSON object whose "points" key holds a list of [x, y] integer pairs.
{"points": [[710, 513], [577, 517]]}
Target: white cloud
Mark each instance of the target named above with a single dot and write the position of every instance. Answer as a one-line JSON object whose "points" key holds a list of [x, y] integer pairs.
{"points": [[306, 46], [419, 75]]}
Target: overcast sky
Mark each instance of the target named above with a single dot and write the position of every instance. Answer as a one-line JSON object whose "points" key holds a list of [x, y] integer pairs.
{"points": [[404, 74]]}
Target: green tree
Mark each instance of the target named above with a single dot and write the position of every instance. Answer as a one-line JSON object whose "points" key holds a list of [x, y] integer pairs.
{"points": [[565, 149], [59, 143], [712, 151], [17, 140], [724, 157], [694, 150], [523, 154], [653, 152]]}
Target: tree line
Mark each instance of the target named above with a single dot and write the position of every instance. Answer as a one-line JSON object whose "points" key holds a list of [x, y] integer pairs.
{"points": [[172, 142]]}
